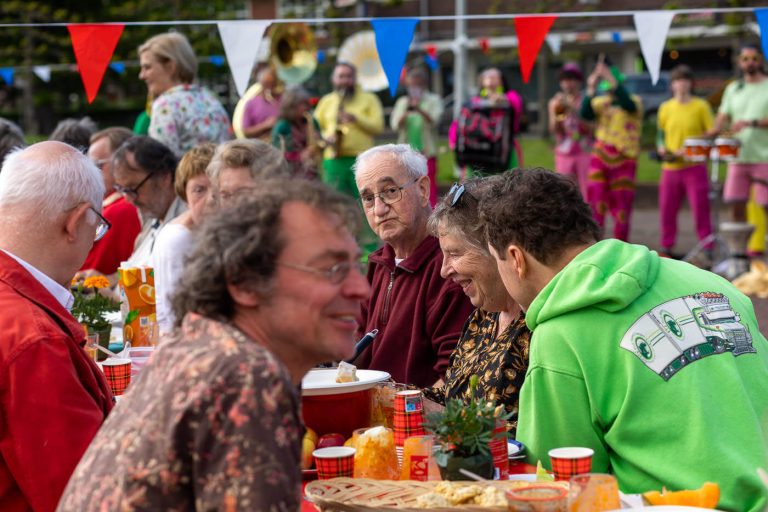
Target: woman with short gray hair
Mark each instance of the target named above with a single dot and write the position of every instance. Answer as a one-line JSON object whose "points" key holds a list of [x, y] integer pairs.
{"points": [[495, 341], [184, 114]]}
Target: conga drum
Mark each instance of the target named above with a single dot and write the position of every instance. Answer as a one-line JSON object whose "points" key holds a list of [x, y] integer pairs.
{"points": [[727, 148], [697, 150]]}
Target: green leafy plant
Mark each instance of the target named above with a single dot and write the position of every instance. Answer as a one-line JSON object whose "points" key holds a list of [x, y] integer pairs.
{"points": [[465, 429], [90, 306]]}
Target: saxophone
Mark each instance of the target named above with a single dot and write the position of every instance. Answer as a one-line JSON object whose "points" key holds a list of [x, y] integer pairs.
{"points": [[341, 128], [315, 145]]}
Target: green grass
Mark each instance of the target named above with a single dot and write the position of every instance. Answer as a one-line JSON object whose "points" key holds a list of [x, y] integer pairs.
{"points": [[540, 153]]}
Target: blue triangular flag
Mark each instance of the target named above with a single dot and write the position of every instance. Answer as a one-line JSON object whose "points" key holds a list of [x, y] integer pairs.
{"points": [[762, 22], [217, 60], [7, 74], [616, 36], [431, 62], [118, 67], [393, 38], [320, 56]]}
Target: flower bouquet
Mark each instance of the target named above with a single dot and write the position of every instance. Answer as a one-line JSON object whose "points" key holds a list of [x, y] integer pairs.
{"points": [[90, 306]]}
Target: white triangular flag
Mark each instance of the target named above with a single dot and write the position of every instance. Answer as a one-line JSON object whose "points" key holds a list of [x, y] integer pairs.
{"points": [[43, 73], [241, 41], [554, 41], [652, 28]]}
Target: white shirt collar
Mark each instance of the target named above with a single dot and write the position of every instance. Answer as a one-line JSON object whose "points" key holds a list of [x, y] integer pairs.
{"points": [[61, 294]]}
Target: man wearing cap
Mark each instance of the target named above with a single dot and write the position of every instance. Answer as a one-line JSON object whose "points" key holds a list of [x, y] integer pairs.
{"points": [[573, 135], [613, 166]]}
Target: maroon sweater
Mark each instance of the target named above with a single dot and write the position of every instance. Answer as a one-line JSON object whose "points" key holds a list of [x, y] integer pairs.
{"points": [[419, 315]]}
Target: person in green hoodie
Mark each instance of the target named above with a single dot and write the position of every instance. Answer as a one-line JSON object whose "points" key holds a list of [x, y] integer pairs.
{"points": [[655, 364]]}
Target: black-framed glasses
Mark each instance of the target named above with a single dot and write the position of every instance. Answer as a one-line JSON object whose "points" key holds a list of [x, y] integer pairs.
{"points": [[103, 226], [132, 192], [389, 196], [336, 274]]}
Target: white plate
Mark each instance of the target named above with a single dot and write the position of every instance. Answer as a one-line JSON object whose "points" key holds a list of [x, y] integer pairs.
{"points": [[523, 477], [323, 382], [514, 448]]}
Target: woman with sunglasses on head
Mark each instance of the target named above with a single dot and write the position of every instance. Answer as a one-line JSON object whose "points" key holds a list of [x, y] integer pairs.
{"points": [[495, 340]]}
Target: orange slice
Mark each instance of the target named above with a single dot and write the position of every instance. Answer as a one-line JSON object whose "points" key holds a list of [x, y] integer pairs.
{"points": [[127, 333], [128, 277], [147, 293], [706, 496]]}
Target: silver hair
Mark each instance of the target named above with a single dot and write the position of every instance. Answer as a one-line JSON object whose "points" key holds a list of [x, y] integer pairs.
{"points": [[51, 181], [414, 163]]}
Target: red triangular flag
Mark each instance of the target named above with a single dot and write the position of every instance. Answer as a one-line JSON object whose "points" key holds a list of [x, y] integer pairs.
{"points": [[531, 32], [93, 46]]}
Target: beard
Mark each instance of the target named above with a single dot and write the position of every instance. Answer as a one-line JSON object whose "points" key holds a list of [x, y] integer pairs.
{"points": [[345, 91], [751, 69]]}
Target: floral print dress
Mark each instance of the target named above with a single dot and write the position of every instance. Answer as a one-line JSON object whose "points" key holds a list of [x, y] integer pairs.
{"points": [[187, 115], [500, 362], [212, 423]]}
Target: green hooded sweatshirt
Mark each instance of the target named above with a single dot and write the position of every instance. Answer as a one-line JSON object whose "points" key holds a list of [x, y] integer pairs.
{"points": [[655, 364]]}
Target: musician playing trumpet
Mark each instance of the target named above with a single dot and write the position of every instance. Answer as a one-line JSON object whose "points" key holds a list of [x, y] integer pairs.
{"points": [[573, 135], [349, 118]]}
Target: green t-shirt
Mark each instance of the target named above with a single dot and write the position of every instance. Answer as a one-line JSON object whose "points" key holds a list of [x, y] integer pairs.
{"points": [[743, 101]]}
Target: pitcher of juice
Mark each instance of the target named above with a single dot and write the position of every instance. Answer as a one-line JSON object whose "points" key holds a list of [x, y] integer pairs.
{"points": [[375, 455], [137, 297]]}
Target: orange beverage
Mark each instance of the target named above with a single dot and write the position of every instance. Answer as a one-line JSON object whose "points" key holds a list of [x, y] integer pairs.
{"points": [[593, 492], [418, 460], [375, 455], [137, 294]]}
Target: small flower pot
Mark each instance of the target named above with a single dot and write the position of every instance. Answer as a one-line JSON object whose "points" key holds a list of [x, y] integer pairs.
{"points": [[481, 465]]}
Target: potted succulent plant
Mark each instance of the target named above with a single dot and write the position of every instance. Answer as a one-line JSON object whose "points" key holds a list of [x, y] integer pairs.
{"points": [[462, 432], [90, 306]]}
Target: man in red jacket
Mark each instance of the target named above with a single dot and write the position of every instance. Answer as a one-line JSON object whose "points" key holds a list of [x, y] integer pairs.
{"points": [[53, 398], [419, 314]]}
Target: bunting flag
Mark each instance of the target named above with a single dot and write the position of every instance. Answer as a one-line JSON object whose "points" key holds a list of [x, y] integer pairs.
{"points": [[93, 46], [531, 32], [484, 45], [241, 41], [218, 61], [118, 67], [320, 56], [652, 28], [393, 38], [616, 37], [432, 62], [7, 74], [762, 22], [43, 73], [555, 42]]}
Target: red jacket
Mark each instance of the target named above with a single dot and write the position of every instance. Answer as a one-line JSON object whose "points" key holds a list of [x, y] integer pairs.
{"points": [[53, 398], [117, 245], [419, 315]]}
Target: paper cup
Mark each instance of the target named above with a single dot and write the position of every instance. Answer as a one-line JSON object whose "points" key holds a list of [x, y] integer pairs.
{"points": [[570, 461], [118, 373], [409, 415], [334, 461]]}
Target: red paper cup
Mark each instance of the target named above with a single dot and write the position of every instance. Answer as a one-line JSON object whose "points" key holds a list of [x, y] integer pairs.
{"points": [[118, 373], [334, 461], [409, 415], [570, 461]]}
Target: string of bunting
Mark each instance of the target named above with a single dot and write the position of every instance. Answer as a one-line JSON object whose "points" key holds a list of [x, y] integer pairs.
{"points": [[94, 44]]}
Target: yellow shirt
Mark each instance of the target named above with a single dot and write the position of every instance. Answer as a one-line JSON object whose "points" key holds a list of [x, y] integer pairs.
{"points": [[617, 127], [680, 121], [357, 136]]}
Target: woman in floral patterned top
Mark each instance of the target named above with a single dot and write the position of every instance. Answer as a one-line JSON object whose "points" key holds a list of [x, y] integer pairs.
{"points": [[495, 341], [213, 422], [183, 114]]}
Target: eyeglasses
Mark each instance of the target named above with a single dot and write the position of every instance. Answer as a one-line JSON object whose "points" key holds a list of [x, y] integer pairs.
{"points": [[388, 196], [132, 192], [103, 226], [457, 192], [335, 275]]}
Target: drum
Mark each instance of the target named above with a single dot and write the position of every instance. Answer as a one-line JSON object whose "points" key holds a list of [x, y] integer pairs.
{"points": [[727, 148], [697, 150]]}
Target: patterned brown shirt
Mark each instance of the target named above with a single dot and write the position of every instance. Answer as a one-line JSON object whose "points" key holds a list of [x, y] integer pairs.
{"points": [[212, 423], [499, 361]]}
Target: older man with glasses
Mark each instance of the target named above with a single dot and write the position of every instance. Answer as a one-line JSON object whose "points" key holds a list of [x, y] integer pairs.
{"points": [[117, 244], [53, 397], [419, 314], [143, 170]]}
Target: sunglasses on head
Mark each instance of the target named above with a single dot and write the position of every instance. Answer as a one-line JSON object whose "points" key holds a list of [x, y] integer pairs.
{"points": [[457, 192]]}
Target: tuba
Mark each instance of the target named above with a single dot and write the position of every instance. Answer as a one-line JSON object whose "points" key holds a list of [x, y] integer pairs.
{"points": [[293, 52]]}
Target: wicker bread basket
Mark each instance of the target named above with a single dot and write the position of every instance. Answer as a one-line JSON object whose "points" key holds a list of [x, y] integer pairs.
{"points": [[363, 495]]}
